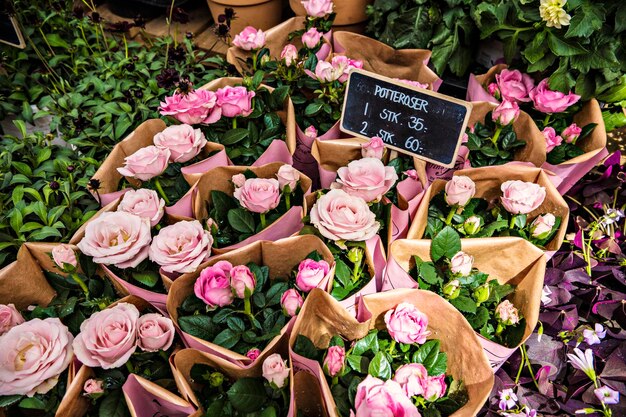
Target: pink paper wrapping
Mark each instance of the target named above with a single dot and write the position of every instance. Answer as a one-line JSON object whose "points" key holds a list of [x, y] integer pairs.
{"points": [[157, 300], [412, 192], [434, 172], [147, 399], [567, 174], [476, 91], [303, 161]]}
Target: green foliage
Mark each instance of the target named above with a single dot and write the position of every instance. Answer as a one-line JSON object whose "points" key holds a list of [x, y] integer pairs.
{"points": [[484, 152]]}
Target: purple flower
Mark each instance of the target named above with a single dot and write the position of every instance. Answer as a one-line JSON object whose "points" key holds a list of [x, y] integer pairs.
{"points": [[592, 337], [606, 395], [508, 399], [583, 361]]}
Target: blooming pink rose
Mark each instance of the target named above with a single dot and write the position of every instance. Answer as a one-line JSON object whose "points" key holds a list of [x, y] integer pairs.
{"points": [[238, 180], [406, 324], [377, 398], [494, 90], [514, 86], [506, 113], [412, 378], [461, 263], [146, 163], [334, 360], [143, 203], [288, 175], [541, 227], [413, 83], [311, 38], [33, 355], [552, 139], [9, 318], [519, 197], [183, 141], [548, 101], [213, 285], [310, 132], [340, 216], [198, 106], [109, 337], [291, 302], [342, 65], [181, 247], [258, 195], [318, 8], [275, 370], [93, 386], [241, 278], [459, 190], [117, 238], [375, 148], [367, 178], [235, 101], [250, 39], [289, 54], [64, 255], [253, 354], [325, 72], [507, 313], [155, 332], [435, 387], [571, 133], [311, 273]]}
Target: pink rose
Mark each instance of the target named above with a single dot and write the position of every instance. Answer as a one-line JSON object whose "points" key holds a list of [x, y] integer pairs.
{"points": [[571, 133], [406, 324], [183, 141], [552, 139], [154, 332], [9, 318], [311, 273], [507, 313], [291, 302], [506, 113], [288, 176], [411, 173], [340, 216], [198, 106], [459, 190], [146, 163], [238, 180], [494, 90], [435, 387], [275, 370], [548, 101], [258, 195], [181, 247], [143, 203], [311, 38], [342, 65], [334, 360], [250, 39], [318, 8], [93, 386], [461, 263], [213, 285], [367, 178], [519, 197], [310, 132], [413, 83], [117, 238], [375, 398], [109, 337], [235, 101], [541, 227], [375, 148], [242, 279], [33, 356], [289, 54], [64, 255], [253, 354], [514, 86], [325, 72], [412, 378]]}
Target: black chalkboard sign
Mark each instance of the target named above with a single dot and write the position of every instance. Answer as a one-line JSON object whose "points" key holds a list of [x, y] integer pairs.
{"points": [[411, 120], [10, 32]]}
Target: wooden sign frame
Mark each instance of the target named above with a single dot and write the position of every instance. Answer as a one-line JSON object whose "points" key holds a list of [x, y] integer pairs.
{"points": [[18, 32]]}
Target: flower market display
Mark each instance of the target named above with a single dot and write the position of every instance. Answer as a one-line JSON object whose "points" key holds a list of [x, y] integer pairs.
{"points": [[188, 229]]}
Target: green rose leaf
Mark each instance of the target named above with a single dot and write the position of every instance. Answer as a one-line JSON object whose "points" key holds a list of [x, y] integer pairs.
{"points": [[198, 326], [447, 243], [247, 395], [464, 304], [379, 366], [241, 220]]}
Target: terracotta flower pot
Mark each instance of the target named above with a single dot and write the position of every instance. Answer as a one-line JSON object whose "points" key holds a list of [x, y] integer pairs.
{"points": [[262, 14], [348, 12]]}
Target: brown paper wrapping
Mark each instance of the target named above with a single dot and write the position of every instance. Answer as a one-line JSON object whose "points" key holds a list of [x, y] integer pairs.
{"points": [[488, 181], [490, 76]]}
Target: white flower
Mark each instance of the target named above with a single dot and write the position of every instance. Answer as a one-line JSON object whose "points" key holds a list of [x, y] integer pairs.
{"points": [[583, 361], [552, 12], [508, 399], [592, 337]]}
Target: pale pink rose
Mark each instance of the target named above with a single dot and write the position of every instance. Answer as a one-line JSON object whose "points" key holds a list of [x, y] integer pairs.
{"points": [[241, 278], [146, 163], [552, 139], [459, 190], [143, 203], [461, 263], [183, 141], [378, 398], [342, 65], [258, 195], [93, 386], [506, 113], [33, 356], [108, 338], [311, 38], [413, 83], [514, 86], [472, 225], [541, 227], [406, 324], [275, 370], [64, 255], [311, 273], [318, 8], [288, 175], [253, 354], [250, 39], [9, 318], [494, 90], [310, 132], [238, 180], [519, 197], [375, 148], [117, 238], [155, 332], [548, 101], [198, 106], [571, 133], [181, 247], [434, 387], [213, 285], [235, 101], [289, 54], [367, 178], [340, 216], [291, 302], [507, 313], [334, 360], [412, 378], [325, 72]]}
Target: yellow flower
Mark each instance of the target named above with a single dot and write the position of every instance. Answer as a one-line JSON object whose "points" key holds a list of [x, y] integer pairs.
{"points": [[552, 12]]}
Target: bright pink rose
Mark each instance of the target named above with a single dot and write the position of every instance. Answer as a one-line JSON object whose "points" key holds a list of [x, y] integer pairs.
{"points": [[494, 90], [146, 163], [9, 318], [289, 54], [406, 324], [250, 39], [459, 190], [288, 175], [552, 139], [154, 332], [340, 216], [311, 273], [311, 38], [33, 355], [318, 8], [411, 378], [342, 65], [235, 101], [64, 255], [519, 197], [242, 279], [413, 83], [506, 113], [291, 302], [117, 238], [238, 180], [143, 203], [310, 132], [334, 360], [461, 263], [571, 133], [375, 148], [253, 354], [93, 386], [377, 398], [514, 86], [109, 337], [258, 195], [213, 285], [198, 106], [548, 101], [275, 370], [183, 141], [367, 178], [181, 247], [325, 72], [507, 313], [541, 227], [435, 387]]}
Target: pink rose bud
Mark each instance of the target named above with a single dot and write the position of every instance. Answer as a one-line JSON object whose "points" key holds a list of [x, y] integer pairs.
{"points": [[108, 338], [181, 247], [183, 141], [411, 173], [472, 225], [289, 54], [571, 133], [435, 387], [334, 360], [552, 139], [318, 8], [506, 113], [198, 106], [242, 280], [212, 226], [63, 255], [311, 132], [342, 65], [291, 302], [275, 371], [548, 101], [461, 263], [253, 354], [9, 318], [541, 227], [235, 101], [375, 397], [288, 176], [155, 332], [519, 197], [367, 178], [93, 387], [412, 378], [311, 273], [413, 83], [375, 148], [238, 180], [143, 203], [311, 38], [514, 86], [507, 313], [459, 190], [146, 163], [213, 285], [406, 324], [258, 195], [493, 90], [250, 39]]}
